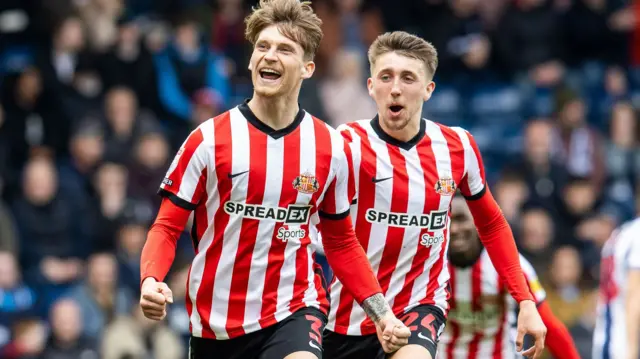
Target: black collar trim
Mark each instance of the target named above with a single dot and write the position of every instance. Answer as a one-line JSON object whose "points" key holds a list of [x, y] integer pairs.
{"points": [[275, 134], [375, 124]]}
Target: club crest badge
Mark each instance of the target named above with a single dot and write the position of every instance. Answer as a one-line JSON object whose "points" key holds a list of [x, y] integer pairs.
{"points": [[306, 183], [445, 186]]}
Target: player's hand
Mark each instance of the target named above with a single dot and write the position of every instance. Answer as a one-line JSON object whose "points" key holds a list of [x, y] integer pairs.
{"points": [[154, 297], [392, 333], [529, 322]]}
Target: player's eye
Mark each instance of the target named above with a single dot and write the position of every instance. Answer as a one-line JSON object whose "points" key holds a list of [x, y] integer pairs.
{"points": [[385, 77], [261, 46], [409, 79]]}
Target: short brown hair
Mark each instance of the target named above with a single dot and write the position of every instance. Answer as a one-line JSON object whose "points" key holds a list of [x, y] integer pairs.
{"points": [[295, 19], [405, 44]]}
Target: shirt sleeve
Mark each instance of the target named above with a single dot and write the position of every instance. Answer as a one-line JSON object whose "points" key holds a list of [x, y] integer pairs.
{"points": [[340, 192], [473, 184], [539, 294], [184, 183], [353, 143]]}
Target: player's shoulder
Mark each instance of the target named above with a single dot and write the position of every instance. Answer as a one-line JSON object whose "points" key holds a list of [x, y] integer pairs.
{"points": [[456, 133], [352, 131], [627, 230]]}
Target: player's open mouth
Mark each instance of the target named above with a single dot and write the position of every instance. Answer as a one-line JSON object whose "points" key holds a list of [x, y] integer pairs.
{"points": [[395, 109], [269, 74]]}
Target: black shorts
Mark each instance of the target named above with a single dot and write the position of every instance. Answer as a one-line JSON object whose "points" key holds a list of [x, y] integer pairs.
{"points": [[302, 331], [426, 323]]}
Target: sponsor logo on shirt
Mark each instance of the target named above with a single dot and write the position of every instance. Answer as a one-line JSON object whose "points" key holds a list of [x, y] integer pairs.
{"points": [[167, 182], [285, 234], [433, 221], [294, 214], [429, 240]]}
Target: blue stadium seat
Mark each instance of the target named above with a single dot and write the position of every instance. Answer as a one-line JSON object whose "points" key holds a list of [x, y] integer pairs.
{"points": [[445, 106], [497, 104]]}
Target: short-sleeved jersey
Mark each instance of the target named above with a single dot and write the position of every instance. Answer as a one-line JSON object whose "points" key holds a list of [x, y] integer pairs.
{"points": [[401, 214], [620, 254], [482, 318], [256, 193]]}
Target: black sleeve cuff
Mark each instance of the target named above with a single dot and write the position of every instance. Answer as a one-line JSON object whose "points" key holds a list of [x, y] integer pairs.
{"points": [[478, 195], [176, 200], [334, 217]]}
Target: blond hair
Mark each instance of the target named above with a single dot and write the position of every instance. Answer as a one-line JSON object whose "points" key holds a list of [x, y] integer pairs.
{"points": [[407, 45], [295, 20]]}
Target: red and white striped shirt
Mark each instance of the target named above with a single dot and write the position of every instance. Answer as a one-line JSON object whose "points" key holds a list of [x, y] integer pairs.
{"points": [[401, 214], [482, 318], [256, 194]]}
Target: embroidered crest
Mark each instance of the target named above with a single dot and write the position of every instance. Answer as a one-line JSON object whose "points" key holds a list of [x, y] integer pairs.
{"points": [[306, 183], [445, 186]]}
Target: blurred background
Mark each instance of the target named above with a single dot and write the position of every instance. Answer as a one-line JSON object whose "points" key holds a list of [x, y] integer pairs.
{"points": [[97, 95]]}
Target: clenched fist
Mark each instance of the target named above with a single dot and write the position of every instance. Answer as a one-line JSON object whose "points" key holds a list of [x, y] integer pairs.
{"points": [[392, 333], [154, 297]]}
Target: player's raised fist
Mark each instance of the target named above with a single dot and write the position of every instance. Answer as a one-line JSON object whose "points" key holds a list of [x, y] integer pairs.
{"points": [[154, 297], [392, 333]]}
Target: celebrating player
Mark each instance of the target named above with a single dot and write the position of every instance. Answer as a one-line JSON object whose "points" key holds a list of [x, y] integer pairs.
{"points": [[482, 312], [617, 333], [258, 179], [407, 170]]}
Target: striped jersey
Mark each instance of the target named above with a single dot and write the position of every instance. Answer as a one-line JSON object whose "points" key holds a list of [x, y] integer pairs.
{"points": [[256, 193], [619, 254], [401, 214], [482, 318]]}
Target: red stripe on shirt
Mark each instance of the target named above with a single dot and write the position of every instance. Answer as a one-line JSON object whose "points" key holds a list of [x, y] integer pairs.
{"points": [[223, 158], [476, 306], [363, 227], [455, 328], [395, 235], [248, 232]]}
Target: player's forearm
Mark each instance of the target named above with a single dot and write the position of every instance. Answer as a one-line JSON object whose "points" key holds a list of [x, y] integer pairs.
{"points": [[496, 236], [558, 338], [349, 261], [160, 248]]}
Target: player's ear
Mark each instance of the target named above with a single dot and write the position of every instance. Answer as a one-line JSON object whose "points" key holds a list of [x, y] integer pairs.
{"points": [[370, 86], [431, 86], [308, 68]]}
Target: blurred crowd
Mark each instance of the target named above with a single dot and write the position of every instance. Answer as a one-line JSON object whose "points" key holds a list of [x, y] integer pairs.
{"points": [[97, 95]]}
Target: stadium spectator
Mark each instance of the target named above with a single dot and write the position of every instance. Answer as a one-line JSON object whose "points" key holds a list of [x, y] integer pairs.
{"points": [[65, 339]]}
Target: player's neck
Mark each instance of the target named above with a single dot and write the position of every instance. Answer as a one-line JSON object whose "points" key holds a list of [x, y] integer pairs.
{"points": [[275, 112], [404, 134]]}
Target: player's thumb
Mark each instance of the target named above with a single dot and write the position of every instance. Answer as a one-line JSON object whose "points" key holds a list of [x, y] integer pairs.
{"points": [[401, 331], [387, 332], [163, 288]]}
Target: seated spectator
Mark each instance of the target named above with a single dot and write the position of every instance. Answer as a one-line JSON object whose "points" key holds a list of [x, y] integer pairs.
{"points": [[566, 293], [17, 300], [109, 203], [575, 144], [544, 175], [100, 297], [138, 337], [52, 242], [147, 169], [343, 94], [65, 339], [125, 123], [129, 63], [536, 236], [87, 150], [131, 237], [28, 342], [623, 157], [511, 193], [185, 67]]}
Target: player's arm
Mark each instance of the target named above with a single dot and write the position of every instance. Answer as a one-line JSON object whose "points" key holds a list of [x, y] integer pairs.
{"points": [[496, 236], [348, 260], [632, 306], [558, 339], [493, 229], [182, 189]]}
